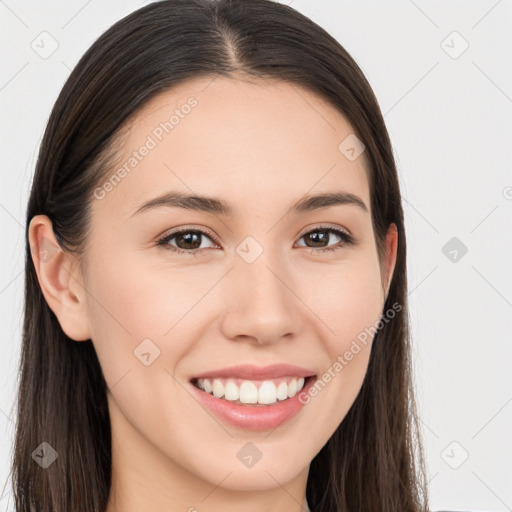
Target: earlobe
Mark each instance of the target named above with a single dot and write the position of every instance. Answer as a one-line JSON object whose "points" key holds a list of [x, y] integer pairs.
{"points": [[60, 284]]}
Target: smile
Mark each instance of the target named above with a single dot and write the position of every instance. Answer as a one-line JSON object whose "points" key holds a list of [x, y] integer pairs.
{"points": [[253, 415], [242, 391]]}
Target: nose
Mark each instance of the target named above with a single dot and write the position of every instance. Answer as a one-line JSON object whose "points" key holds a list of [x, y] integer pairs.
{"points": [[261, 305]]}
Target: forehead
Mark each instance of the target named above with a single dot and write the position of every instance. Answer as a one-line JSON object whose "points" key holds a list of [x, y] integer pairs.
{"points": [[254, 142]]}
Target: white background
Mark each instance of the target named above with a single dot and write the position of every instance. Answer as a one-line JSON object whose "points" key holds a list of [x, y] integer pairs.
{"points": [[450, 122]]}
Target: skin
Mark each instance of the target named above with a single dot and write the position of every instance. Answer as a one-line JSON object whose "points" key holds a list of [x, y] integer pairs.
{"points": [[260, 147]]}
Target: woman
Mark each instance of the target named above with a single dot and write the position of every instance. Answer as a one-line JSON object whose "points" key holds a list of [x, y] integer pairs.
{"points": [[216, 294]]}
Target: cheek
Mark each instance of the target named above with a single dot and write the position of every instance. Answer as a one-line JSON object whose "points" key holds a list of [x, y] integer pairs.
{"points": [[131, 309], [123, 307], [348, 299], [131, 302], [350, 304], [137, 300]]}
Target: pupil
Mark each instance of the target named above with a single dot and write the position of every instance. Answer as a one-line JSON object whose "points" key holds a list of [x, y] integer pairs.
{"points": [[190, 238], [315, 237]]}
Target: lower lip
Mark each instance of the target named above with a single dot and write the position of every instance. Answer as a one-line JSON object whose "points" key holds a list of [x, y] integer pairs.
{"points": [[254, 417]]}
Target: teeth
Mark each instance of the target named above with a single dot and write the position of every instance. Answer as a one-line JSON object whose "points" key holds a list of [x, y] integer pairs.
{"points": [[247, 392], [207, 386], [282, 391], [231, 391], [292, 388], [218, 388], [267, 394]]}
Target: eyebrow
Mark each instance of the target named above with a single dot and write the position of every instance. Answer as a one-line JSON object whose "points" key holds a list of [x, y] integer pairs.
{"points": [[220, 207]]}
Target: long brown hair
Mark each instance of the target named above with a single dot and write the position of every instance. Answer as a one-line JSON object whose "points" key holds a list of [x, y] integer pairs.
{"points": [[374, 460]]}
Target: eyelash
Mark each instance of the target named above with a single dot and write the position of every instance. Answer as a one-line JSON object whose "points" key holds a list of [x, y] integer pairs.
{"points": [[347, 239]]}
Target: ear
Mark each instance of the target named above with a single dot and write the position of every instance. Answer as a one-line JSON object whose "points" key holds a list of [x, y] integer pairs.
{"points": [[60, 283], [390, 257]]}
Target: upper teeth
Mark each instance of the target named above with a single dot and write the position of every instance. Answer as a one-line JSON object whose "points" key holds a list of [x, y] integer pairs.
{"points": [[247, 391]]}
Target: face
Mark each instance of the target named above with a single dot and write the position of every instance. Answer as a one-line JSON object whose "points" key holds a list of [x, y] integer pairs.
{"points": [[179, 290]]}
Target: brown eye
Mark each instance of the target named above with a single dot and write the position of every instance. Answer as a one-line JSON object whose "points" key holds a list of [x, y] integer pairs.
{"points": [[187, 241], [319, 238]]}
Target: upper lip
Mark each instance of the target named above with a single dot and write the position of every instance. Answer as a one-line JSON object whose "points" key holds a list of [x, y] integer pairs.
{"points": [[251, 372]]}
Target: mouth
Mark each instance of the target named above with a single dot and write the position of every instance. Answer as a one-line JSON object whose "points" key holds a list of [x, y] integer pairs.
{"points": [[253, 404], [253, 392]]}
